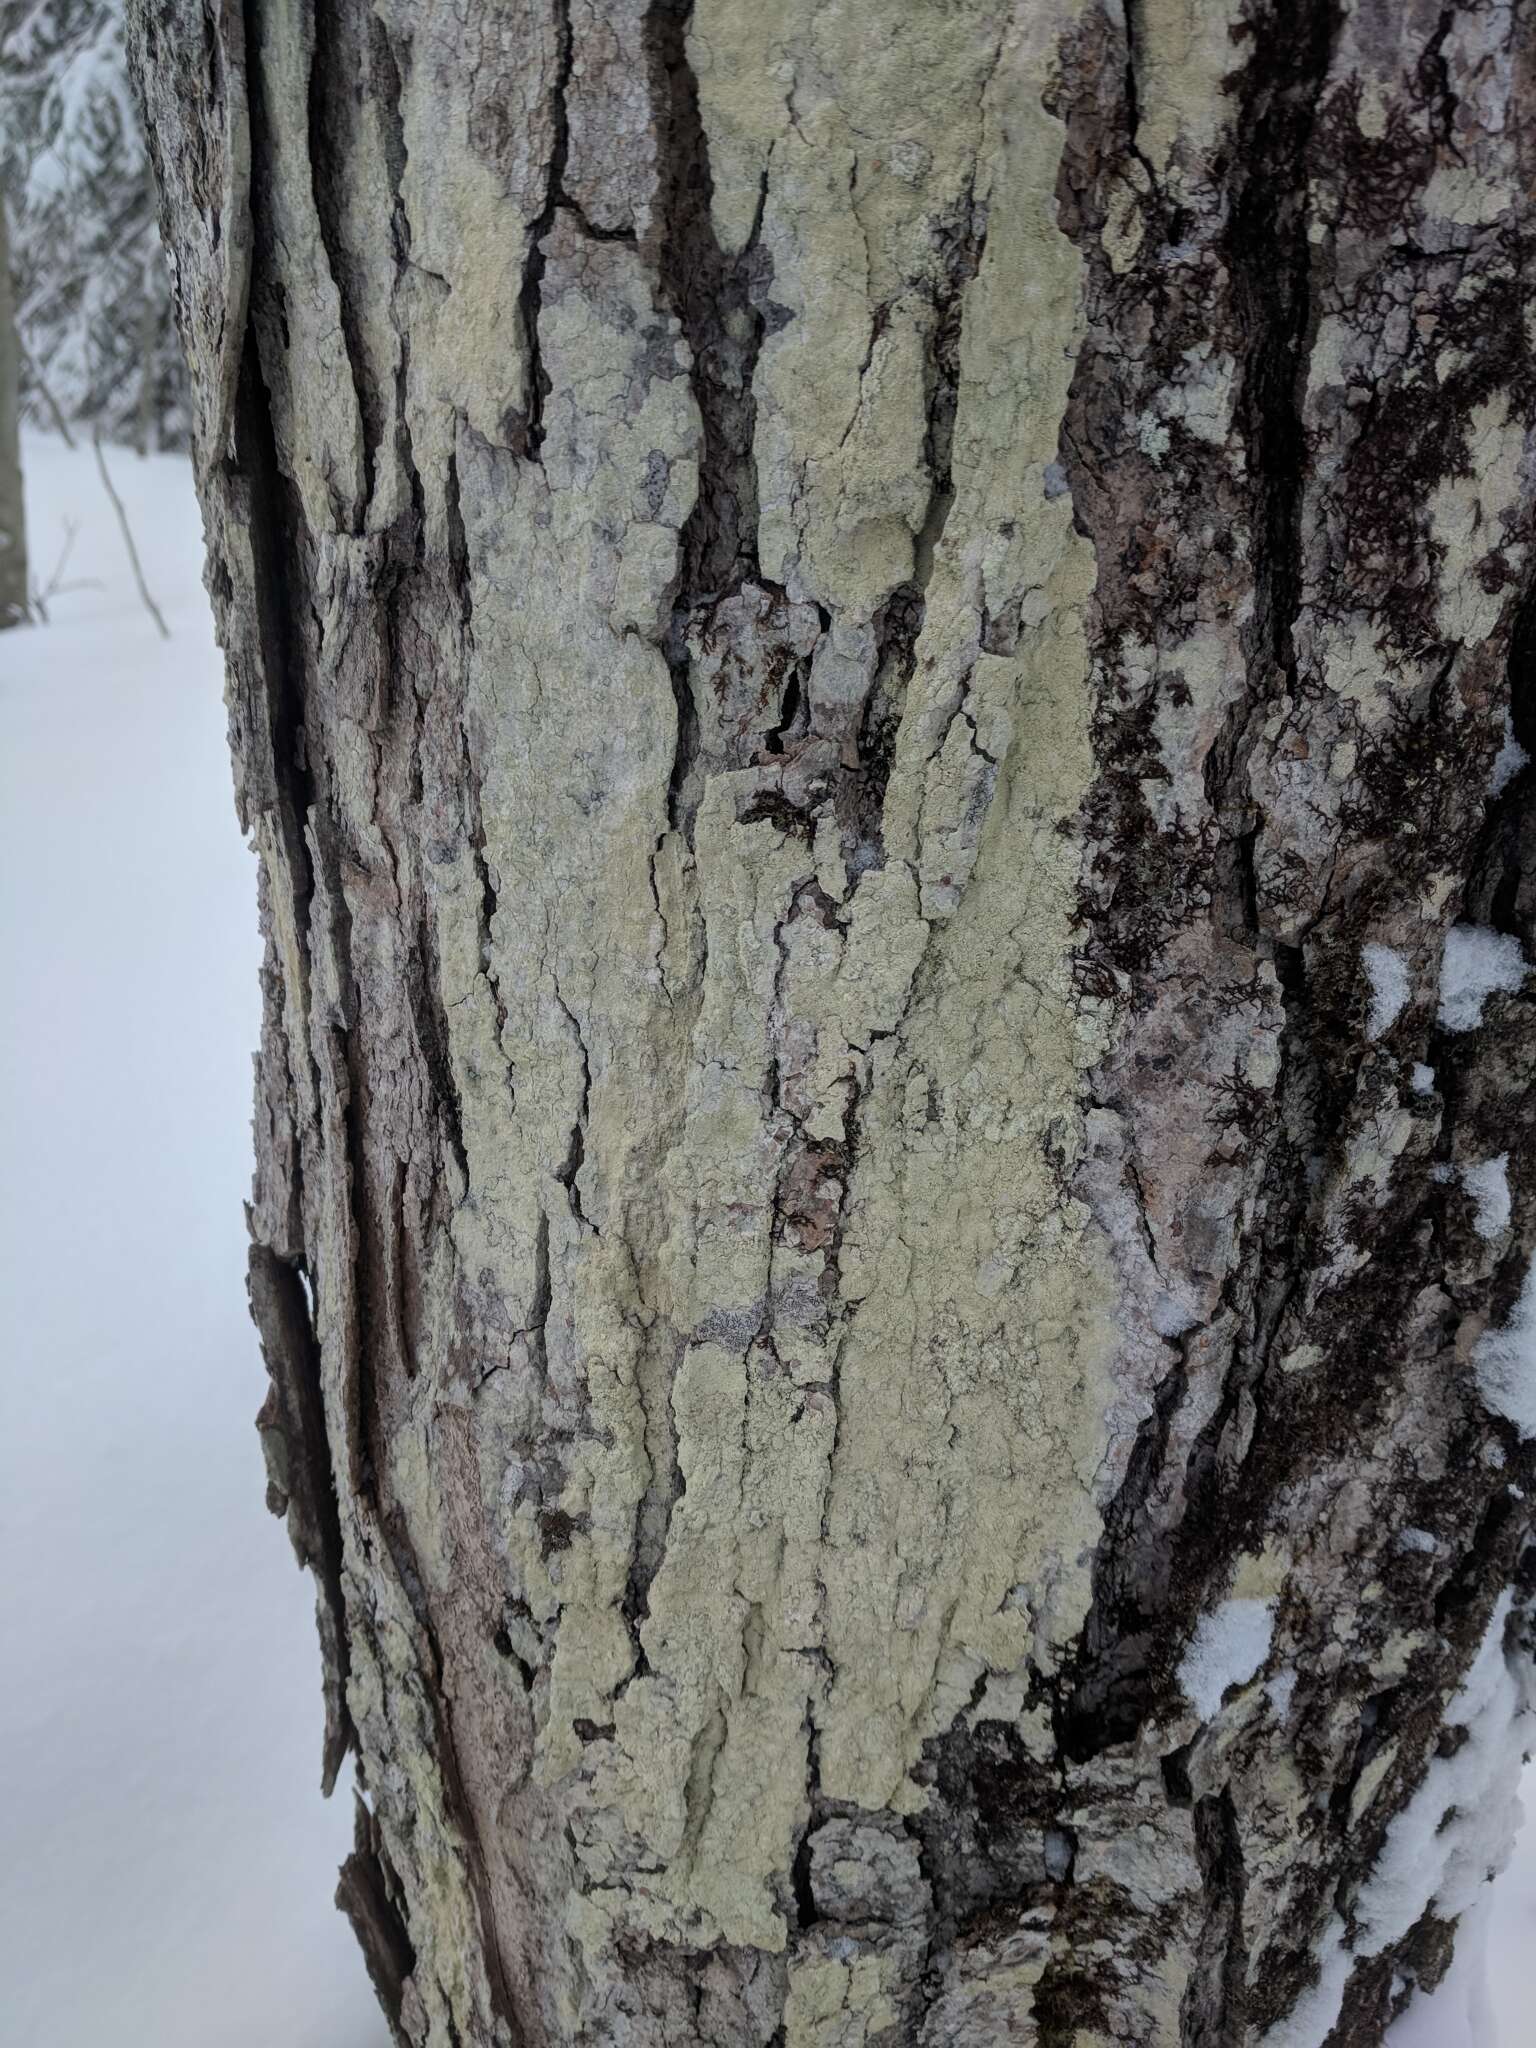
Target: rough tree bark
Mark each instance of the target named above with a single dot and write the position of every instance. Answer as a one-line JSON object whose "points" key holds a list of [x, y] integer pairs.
{"points": [[875, 652], [13, 513]]}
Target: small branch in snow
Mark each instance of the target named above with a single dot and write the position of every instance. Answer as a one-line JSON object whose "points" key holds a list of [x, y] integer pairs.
{"points": [[42, 593], [133, 554]]}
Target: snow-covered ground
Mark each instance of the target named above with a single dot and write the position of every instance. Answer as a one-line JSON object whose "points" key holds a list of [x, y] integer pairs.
{"points": [[168, 1862]]}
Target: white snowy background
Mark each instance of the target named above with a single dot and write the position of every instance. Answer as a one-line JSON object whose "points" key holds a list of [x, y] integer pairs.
{"points": [[168, 1863]]}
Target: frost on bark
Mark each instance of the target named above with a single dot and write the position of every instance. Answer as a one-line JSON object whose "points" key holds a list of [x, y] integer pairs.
{"points": [[875, 653], [13, 519]]}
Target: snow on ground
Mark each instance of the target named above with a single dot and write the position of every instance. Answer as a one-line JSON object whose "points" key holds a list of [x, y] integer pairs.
{"points": [[168, 1860]]}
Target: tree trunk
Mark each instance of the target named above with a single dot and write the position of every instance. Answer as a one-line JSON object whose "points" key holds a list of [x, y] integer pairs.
{"points": [[150, 310], [877, 654], [13, 511]]}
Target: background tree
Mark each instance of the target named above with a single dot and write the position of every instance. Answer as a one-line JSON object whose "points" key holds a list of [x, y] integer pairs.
{"points": [[13, 513], [879, 658], [93, 298]]}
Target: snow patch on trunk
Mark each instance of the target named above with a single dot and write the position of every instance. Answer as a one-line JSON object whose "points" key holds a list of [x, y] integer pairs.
{"points": [[1459, 1827], [1508, 761], [1453, 1836], [1476, 963], [1228, 1648], [1387, 972], [1488, 1185], [1505, 1362], [1460, 2014], [1487, 1182]]}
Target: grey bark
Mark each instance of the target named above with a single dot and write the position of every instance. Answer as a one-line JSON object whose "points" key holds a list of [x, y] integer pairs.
{"points": [[875, 654], [151, 321], [13, 518]]}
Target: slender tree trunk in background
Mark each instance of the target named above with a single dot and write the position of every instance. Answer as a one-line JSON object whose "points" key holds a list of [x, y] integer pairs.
{"points": [[871, 651], [13, 518]]}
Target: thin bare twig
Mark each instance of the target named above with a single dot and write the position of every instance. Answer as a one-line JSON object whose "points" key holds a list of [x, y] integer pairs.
{"points": [[63, 590], [133, 554], [35, 376], [37, 600]]}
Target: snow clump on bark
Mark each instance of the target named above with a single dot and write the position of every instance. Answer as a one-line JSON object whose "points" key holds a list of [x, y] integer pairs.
{"points": [[1455, 1833], [1228, 1647], [1505, 1361], [1475, 964], [1390, 987]]}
